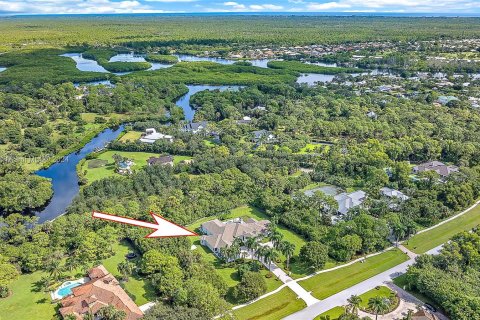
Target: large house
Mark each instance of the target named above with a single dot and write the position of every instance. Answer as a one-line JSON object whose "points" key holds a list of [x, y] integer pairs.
{"points": [[219, 234], [263, 136], [392, 193], [195, 127], [151, 135], [101, 290], [164, 161], [347, 201], [439, 167]]}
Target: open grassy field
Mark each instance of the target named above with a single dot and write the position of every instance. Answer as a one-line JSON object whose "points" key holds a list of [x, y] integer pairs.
{"points": [[108, 169], [326, 284], [273, 307], [29, 302], [425, 241]]}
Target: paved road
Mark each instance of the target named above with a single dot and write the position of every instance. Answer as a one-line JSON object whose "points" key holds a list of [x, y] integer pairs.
{"points": [[341, 297]]}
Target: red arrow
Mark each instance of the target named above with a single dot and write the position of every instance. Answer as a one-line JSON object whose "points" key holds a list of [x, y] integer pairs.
{"points": [[163, 228]]}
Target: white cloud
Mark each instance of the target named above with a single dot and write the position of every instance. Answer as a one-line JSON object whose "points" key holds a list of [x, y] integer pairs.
{"points": [[76, 6], [265, 7], [443, 6], [234, 5]]}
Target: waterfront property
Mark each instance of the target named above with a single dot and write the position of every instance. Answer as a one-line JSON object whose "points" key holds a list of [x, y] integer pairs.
{"points": [[151, 135], [102, 289]]}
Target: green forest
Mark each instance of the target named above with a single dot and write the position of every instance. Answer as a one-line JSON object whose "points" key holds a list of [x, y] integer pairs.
{"points": [[401, 94]]}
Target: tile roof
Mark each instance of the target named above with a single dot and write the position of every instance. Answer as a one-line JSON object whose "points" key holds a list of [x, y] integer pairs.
{"points": [[103, 289], [221, 234]]}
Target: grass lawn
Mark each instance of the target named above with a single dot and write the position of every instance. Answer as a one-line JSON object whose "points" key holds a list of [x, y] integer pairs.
{"points": [[382, 291], [139, 158], [131, 136], [276, 306], [333, 313], [326, 284], [425, 241], [313, 186], [28, 302]]}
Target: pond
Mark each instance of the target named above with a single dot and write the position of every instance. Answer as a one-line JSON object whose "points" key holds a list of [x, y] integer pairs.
{"points": [[184, 101], [2, 69], [64, 175]]}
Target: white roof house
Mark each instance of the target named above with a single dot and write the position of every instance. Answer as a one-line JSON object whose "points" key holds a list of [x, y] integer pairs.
{"points": [[392, 193], [346, 201], [151, 135]]}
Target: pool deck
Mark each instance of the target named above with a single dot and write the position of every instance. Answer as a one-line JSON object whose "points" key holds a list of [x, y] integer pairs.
{"points": [[56, 296]]}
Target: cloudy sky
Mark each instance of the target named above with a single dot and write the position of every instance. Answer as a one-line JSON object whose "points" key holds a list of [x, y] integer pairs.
{"points": [[167, 6]]}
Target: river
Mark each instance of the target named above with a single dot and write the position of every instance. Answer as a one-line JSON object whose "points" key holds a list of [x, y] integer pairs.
{"points": [[63, 175]]}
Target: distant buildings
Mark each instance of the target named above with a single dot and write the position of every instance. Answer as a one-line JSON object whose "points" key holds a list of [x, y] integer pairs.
{"points": [[263, 136], [442, 169], [102, 290], [219, 234], [444, 100], [151, 135]]}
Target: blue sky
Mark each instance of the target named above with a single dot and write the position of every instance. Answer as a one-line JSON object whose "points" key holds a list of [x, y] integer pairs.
{"points": [[168, 6]]}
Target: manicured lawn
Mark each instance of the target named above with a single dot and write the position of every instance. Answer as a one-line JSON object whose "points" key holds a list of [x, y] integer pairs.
{"points": [[273, 307], [425, 241], [26, 301], [326, 284], [131, 136], [333, 313], [382, 291], [139, 158]]}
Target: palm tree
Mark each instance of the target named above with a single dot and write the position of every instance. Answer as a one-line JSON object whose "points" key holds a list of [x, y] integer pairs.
{"points": [[55, 269], [251, 243], [378, 305], [234, 250], [270, 256], [276, 239], [288, 249], [354, 304]]}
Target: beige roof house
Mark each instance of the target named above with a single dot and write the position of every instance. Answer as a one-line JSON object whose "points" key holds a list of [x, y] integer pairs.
{"points": [[102, 290], [219, 234], [437, 166]]}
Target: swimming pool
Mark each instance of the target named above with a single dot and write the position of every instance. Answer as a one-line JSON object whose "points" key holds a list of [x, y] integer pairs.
{"points": [[66, 288]]}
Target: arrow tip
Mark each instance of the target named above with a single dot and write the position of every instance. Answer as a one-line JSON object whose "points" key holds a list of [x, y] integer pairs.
{"points": [[168, 229]]}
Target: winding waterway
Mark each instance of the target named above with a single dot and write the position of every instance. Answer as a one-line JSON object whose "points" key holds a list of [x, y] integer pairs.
{"points": [[63, 174]]}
